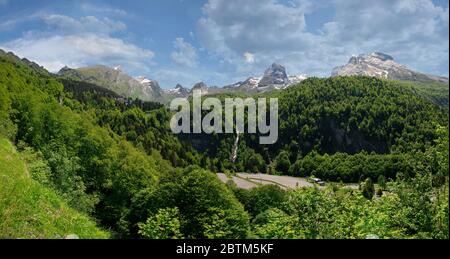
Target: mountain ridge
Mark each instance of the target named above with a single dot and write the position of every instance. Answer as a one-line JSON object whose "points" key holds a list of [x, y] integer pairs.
{"points": [[275, 77], [116, 80], [382, 65]]}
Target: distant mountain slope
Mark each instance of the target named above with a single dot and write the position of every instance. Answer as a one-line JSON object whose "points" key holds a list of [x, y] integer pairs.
{"points": [[30, 210], [436, 92], [382, 65], [116, 80], [178, 92]]}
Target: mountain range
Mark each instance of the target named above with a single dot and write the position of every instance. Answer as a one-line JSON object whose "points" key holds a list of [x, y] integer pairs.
{"points": [[274, 78]]}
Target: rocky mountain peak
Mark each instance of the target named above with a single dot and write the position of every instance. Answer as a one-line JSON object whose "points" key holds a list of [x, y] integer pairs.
{"points": [[63, 70], [370, 58], [382, 65], [381, 56], [274, 75], [200, 86], [178, 91]]}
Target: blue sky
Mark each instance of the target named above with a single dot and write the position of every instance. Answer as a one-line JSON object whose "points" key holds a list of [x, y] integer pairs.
{"points": [[224, 41]]}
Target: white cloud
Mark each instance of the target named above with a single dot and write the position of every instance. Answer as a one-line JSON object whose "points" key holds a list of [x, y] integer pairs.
{"points": [[185, 54], [249, 57], [414, 32], [79, 50], [79, 42]]}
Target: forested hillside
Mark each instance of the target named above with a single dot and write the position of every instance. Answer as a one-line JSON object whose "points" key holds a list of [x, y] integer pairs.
{"points": [[99, 172], [116, 161], [334, 124]]}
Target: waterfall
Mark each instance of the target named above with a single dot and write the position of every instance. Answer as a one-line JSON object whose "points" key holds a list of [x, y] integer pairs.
{"points": [[234, 150]]}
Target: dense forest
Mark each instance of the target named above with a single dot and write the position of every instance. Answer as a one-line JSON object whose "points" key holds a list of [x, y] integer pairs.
{"points": [[331, 127], [81, 152]]}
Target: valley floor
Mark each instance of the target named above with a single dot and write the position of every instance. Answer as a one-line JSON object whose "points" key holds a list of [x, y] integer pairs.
{"points": [[250, 181]]}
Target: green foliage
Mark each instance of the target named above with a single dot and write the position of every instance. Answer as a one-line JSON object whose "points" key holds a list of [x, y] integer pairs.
{"points": [[382, 182], [7, 128], [30, 210], [275, 224], [207, 207], [37, 165], [351, 168], [85, 160], [260, 199], [146, 124], [164, 225], [412, 208], [282, 162], [351, 114], [368, 189]]}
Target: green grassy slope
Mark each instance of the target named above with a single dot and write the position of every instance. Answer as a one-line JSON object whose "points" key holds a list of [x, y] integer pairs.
{"points": [[29, 210]]}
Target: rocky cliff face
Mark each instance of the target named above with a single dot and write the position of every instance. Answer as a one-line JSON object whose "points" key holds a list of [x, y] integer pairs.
{"points": [[274, 75], [150, 88], [382, 65]]}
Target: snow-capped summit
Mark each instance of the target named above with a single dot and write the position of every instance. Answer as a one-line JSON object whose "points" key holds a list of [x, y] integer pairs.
{"points": [[178, 92], [149, 87], [250, 83], [143, 80]]}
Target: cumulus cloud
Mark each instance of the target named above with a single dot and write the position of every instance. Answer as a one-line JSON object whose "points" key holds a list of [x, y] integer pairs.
{"points": [[249, 57], [79, 50], [85, 41], [414, 32], [185, 54]]}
